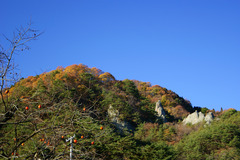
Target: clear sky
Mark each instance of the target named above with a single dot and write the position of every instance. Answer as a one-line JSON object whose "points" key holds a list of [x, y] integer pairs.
{"points": [[191, 47]]}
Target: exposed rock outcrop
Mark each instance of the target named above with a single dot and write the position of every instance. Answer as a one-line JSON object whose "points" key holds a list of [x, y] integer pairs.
{"points": [[209, 117], [161, 113], [197, 117], [113, 115]]}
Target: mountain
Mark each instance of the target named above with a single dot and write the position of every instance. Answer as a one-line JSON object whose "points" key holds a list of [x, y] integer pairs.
{"points": [[111, 119]]}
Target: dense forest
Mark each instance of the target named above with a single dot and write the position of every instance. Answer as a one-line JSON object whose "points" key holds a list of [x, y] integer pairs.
{"points": [[39, 113]]}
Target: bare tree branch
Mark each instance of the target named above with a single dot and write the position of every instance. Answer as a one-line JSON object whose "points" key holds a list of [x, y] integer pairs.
{"points": [[19, 42]]}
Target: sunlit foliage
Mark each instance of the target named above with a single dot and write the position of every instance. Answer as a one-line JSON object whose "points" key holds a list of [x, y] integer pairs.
{"points": [[75, 100]]}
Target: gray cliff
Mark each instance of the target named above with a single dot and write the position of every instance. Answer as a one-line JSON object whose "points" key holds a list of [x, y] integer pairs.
{"points": [[197, 117], [209, 117], [113, 115], [161, 113]]}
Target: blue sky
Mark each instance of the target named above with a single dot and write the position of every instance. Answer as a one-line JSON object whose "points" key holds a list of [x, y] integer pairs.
{"points": [[191, 47]]}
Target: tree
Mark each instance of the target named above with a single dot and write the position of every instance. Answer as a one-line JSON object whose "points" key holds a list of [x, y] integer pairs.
{"points": [[18, 43], [107, 77], [48, 109]]}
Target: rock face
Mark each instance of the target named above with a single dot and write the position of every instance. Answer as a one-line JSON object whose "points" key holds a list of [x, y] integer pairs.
{"points": [[209, 117], [161, 113], [113, 115], [197, 117]]}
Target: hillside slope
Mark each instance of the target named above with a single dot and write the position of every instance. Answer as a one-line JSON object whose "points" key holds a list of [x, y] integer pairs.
{"points": [[44, 110]]}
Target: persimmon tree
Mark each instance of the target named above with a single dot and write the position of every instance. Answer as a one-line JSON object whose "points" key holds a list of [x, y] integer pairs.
{"points": [[48, 109], [15, 45]]}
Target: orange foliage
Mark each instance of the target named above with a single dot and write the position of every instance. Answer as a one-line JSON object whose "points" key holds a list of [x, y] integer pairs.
{"points": [[179, 111], [143, 87], [96, 72], [183, 130], [74, 70], [60, 68], [148, 126]]}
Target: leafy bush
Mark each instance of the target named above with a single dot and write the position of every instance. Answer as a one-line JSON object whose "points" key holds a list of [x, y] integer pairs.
{"points": [[220, 135]]}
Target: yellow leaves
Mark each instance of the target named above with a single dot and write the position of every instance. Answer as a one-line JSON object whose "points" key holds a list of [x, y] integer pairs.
{"points": [[95, 71], [149, 96], [81, 87], [107, 77], [29, 81], [71, 70], [58, 76], [75, 70]]}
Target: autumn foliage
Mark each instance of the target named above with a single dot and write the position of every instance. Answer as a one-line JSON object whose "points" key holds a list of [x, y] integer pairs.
{"points": [[47, 109]]}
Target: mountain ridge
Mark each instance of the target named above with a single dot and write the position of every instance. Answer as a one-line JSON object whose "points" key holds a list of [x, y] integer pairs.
{"points": [[46, 109]]}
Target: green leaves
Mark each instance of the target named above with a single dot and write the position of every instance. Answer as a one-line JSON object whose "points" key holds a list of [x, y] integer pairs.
{"points": [[130, 88], [158, 150], [75, 100], [220, 135]]}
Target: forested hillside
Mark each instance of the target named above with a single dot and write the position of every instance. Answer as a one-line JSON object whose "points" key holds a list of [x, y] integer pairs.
{"points": [[39, 113]]}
